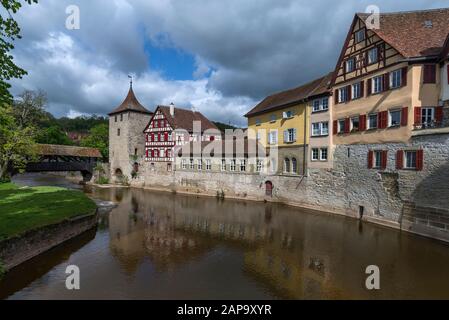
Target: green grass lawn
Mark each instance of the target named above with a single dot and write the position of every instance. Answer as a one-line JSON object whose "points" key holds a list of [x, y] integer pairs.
{"points": [[23, 209]]}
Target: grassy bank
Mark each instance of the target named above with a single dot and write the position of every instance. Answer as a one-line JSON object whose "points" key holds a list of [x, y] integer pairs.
{"points": [[23, 209]]}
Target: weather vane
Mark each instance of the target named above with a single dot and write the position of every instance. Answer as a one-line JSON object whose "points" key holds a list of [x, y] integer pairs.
{"points": [[130, 81]]}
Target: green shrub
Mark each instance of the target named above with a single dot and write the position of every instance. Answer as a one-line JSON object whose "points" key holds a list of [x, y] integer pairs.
{"points": [[102, 180]]}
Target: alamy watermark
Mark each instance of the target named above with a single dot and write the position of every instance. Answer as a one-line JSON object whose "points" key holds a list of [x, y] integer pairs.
{"points": [[73, 21]]}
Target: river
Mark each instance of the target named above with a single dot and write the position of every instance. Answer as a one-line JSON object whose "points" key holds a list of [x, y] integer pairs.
{"points": [[157, 245]]}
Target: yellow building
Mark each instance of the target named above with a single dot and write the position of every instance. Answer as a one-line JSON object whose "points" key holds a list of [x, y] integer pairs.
{"points": [[281, 123]]}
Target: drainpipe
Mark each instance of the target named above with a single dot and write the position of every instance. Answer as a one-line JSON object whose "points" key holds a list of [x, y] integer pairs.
{"points": [[304, 167]]}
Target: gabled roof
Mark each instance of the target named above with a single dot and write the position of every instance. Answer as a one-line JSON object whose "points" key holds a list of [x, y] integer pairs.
{"points": [[184, 118], [408, 33], [72, 151], [130, 104], [285, 98], [323, 88]]}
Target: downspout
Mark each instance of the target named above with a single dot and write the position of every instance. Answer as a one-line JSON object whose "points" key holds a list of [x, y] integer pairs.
{"points": [[304, 167]]}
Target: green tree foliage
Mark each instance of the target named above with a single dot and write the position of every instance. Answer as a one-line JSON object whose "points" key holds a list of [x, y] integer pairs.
{"points": [[53, 135], [9, 32], [98, 138], [29, 109], [81, 124]]}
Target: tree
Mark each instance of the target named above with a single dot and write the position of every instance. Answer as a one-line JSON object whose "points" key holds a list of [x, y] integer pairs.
{"points": [[29, 108], [53, 135], [16, 144], [98, 138], [9, 32]]}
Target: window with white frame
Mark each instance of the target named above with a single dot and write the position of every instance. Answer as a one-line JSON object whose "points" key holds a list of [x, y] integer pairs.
{"points": [[290, 135], [372, 55], [208, 164], [192, 164], [396, 79], [316, 105], [315, 154], [394, 118], [410, 159], [259, 165], [320, 129], [325, 103], [287, 114], [377, 84], [343, 94], [320, 104], [243, 165], [273, 118], [233, 165], [356, 90], [355, 123], [199, 164], [323, 154], [341, 126], [223, 165], [360, 35], [372, 121], [286, 165], [350, 65], [294, 165], [377, 159], [184, 164], [273, 137], [427, 116]]}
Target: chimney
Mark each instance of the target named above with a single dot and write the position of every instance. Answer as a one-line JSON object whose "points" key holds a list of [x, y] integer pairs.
{"points": [[172, 109]]}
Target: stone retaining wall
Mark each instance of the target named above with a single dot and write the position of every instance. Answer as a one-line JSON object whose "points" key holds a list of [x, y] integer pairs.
{"points": [[19, 249]]}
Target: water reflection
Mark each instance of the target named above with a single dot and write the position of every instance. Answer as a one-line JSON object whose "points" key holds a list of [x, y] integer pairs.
{"points": [[160, 245]]}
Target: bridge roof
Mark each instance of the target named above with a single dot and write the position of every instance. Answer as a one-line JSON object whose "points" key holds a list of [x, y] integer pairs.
{"points": [[72, 151]]}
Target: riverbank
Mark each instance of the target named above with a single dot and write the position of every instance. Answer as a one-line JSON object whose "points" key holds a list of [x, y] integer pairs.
{"points": [[35, 219]]}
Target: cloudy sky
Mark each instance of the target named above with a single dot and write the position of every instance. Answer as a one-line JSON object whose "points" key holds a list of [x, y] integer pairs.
{"points": [[221, 56]]}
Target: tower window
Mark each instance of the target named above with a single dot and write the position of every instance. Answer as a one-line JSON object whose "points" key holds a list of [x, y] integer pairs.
{"points": [[135, 151], [121, 117], [118, 132], [115, 118]]}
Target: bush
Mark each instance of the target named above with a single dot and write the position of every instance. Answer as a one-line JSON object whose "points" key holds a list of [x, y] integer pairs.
{"points": [[102, 180]]}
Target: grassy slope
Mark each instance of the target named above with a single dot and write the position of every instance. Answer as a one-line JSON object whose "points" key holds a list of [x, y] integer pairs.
{"points": [[23, 209]]}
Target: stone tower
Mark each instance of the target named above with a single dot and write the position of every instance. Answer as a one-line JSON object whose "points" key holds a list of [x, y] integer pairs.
{"points": [[126, 137]]}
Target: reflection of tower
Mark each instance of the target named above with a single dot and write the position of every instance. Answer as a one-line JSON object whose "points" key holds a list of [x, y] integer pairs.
{"points": [[126, 138]]}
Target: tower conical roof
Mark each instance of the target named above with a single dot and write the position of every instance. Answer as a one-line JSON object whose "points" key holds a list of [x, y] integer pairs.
{"points": [[130, 104]]}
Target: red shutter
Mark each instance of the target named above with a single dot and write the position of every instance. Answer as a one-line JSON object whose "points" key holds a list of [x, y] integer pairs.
{"points": [[152, 153], [152, 137], [404, 116], [368, 84], [146, 152], [165, 136], [386, 80], [419, 160], [404, 76], [212, 138], [362, 122], [370, 159], [347, 125], [399, 159], [439, 115], [384, 159], [159, 136], [417, 116], [349, 92], [362, 89], [385, 119], [336, 97], [335, 127]]}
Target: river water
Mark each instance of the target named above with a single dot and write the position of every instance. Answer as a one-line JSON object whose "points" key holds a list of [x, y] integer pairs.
{"points": [[156, 245]]}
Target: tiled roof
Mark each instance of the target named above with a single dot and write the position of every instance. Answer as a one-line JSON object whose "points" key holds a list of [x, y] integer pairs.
{"points": [[71, 151], [323, 87], [414, 33], [183, 119], [284, 98], [130, 104]]}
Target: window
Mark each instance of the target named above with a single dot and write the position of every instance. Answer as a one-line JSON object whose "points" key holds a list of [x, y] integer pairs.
{"points": [[320, 129], [184, 164], [315, 154], [192, 165], [115, 118], [323, 154], [258, 135], [208, 165], [372, 55], [355, 124], [199, 164], [320, 105], [121, 117], [272, 137], [233, 166], [257, 122], [290, 135], [360, 35], [243, 165], [395, 118], [118, 132], [259, 165], [341, 126], [287, 114], [410, 159], [343, 94], [350, 65], [396, 79], [286, 165], [273, 118], [325, 103], [377, 84], [377, 163], [170, 136], [316, 105], [430, 73], [372, 121], [427, 116], [356, 90], [294, 165], [223, 165]]}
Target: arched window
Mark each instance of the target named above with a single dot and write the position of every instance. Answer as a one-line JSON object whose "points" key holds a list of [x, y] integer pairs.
{"points": [[286, 165], [294, 166]]}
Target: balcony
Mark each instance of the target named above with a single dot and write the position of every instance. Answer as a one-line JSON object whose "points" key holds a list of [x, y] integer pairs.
{"points": [[432, 127]]}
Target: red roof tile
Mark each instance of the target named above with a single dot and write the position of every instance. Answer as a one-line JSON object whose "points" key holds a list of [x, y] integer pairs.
{"points": [[183, 119], [130, 104]]}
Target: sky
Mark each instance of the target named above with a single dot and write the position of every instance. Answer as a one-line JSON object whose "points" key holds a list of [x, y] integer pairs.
{"points": [[220, 56]]}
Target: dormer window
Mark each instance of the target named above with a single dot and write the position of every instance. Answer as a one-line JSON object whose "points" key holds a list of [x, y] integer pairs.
{"points": [[360, 35]]}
